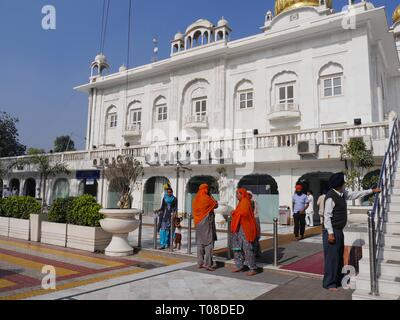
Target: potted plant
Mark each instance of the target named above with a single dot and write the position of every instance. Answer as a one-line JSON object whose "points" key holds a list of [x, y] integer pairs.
{"points": [[123, 173], [18, 210]]}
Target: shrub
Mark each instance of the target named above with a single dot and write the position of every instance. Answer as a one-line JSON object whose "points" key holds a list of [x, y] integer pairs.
{"points": [[2, 214], [59, 210], [20, 207], [84, 211]]}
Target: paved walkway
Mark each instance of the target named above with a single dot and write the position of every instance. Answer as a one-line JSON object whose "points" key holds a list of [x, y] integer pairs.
{"points": [[159, 275]]}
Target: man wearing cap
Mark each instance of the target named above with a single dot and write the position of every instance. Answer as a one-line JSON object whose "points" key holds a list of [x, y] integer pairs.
{"points": [[300, 205], [335, 219]]}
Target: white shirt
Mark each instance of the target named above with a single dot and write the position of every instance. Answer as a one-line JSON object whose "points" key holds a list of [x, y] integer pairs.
{"points": [[329, 205], [310, 208]]}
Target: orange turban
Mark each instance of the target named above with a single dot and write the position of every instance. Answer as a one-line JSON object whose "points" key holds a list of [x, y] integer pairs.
{"points": [[203, 204], [244, 216], [299, 187]]}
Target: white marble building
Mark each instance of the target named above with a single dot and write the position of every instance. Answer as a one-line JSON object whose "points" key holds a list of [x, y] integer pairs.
{"points": [[271, 108]]}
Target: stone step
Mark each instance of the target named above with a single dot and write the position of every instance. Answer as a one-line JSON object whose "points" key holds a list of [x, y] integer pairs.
{"points": [[395, 192], [393, 216], [392, 227], [360, 294], [386, 285], [394, 206], [385, 253], [395, 199], [389, 239], [386, 267]]}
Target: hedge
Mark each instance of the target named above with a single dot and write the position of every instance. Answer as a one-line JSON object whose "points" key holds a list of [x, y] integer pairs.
{"points": [[19, 207], [84, 211], [80, 211], [59, 210]]}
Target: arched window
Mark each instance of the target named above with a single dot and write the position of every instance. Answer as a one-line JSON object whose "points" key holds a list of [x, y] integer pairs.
{"points": [[199, 103], [134, 116], [331, 80], [161, 109], [60, 189], [197, 38], [284, 92], [112, 117], [244, 95]]}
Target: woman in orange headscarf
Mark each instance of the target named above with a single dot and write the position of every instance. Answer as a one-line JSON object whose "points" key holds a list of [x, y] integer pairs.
{"points": [[204, 220], [244, 233]]}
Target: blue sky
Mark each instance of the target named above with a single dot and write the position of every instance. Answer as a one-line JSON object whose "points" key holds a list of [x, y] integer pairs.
{"points": [[40, 68]]}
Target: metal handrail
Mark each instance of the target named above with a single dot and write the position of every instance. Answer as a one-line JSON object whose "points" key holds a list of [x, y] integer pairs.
{"points": [[377, 216]]}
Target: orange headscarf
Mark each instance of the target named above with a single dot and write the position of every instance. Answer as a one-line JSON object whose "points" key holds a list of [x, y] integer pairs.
{"points": [[203, 204], [244, 216]]}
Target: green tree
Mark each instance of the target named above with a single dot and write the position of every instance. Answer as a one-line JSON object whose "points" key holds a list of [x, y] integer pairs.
{"points": [[46, 169], [64, 143], [124, 172], [361, 161], [35, 151], [9, 137]]}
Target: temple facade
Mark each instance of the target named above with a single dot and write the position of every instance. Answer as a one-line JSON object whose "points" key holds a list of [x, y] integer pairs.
{"points": [[266, 111]]}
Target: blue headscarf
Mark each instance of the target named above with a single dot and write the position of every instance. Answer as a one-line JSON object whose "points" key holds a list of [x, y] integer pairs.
{"points": [[169, 199]]}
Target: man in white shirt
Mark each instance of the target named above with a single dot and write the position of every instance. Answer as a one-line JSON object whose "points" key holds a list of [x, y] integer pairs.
{"points": [[310, 210], [335, 219]]}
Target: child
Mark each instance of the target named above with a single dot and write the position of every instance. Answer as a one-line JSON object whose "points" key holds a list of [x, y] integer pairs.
{"points": [[178, 233]]}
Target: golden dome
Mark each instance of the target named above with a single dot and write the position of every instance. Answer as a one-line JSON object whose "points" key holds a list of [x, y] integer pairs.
{"points": [[396, 14], [284, 5]]}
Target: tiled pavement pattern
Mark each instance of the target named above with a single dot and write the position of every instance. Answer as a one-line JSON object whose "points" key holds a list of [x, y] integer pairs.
{"points": [[21, 266], [154, 275]]}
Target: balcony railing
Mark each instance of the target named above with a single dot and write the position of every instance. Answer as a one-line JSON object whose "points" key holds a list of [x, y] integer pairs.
{"points": [[196, 121], [133, 130], [284, 111], [377, 132]]}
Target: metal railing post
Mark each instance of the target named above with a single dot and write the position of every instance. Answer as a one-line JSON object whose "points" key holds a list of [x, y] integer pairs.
{"points": [[140, 229], [171, 234], [229, 244], [155, 231], [372, 253], [275, 242], [189, 248]]}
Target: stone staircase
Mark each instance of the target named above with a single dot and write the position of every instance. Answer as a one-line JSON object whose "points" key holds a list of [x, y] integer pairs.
{"points": [[388, 265]]}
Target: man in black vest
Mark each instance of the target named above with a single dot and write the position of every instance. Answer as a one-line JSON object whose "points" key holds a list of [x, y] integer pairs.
{"points": [[335, 219]]}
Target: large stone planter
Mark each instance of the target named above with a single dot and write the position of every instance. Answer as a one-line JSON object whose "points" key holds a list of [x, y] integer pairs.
{"points": [[19, 229], [87, 238], [54, 233], [119, 223], [36, 225], [4, 226]]}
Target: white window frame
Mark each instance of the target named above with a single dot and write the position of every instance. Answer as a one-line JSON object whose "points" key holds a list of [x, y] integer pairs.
{"points": [[334, 137], [161, 111], [285, 101], [131, 116], [246, 99], [332, 87], [112, 120], [201, 113]]}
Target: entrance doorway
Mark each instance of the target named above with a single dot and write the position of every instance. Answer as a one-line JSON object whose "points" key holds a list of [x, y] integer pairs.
{"points": [[30, 188], [265, 189]]}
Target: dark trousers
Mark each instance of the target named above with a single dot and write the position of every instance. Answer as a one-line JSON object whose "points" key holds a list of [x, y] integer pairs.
{"points": [[299, 224], [333, 255]]}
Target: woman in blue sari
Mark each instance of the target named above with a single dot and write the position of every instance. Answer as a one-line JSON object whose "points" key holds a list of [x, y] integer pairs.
{"points": [[167, 210]]}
